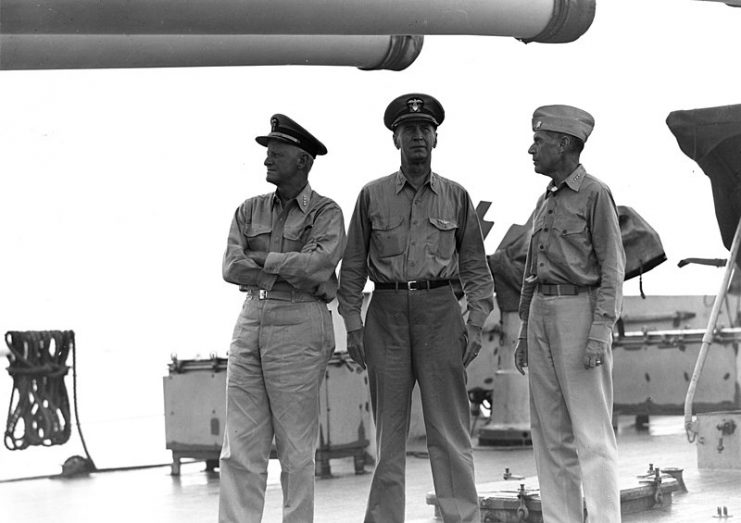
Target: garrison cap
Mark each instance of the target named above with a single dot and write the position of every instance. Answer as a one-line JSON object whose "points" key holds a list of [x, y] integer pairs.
{"points": [[413, 106], [563, 119], [283, 129]]}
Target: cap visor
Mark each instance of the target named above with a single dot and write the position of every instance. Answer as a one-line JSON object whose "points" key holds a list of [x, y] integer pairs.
{"points": [[418, 117]]}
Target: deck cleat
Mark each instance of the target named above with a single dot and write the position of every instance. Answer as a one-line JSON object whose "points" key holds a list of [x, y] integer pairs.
{"points": [[508, 475], [676, 473], [722, 513]]}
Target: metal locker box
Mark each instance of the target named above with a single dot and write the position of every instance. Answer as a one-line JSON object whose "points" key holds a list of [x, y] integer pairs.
{"points": [[344, 415], [195, 410]]}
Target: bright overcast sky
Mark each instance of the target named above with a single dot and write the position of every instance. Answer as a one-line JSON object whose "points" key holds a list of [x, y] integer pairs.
{"points": [[118, 186]]}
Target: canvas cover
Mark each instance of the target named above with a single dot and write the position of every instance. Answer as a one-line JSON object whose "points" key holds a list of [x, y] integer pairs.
{"points": [[642, 244], [712, 137]]}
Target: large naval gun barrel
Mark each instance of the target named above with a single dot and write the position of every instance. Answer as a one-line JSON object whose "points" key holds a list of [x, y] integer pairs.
{"points": [[91, 51], [46, 34]]}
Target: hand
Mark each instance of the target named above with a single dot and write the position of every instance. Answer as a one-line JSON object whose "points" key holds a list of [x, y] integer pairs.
{"points": [[473, 344], [521, 355], [594, 355], [355, 346], [258, 257]]}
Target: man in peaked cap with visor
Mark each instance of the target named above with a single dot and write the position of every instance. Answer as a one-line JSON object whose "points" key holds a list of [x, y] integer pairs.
{"points": [[411, 233], [282, 251], [571, 298]]}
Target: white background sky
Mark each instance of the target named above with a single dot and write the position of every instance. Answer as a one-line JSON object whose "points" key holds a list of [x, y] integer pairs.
{"points": [[117, 187]]}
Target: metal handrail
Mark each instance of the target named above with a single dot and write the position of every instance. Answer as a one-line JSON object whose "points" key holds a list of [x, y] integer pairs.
{"points": [[690, 425]]}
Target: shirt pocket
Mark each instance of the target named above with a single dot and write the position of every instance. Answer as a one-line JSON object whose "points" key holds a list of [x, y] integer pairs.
{"points": [[258, 236], [388, 236], [294, 237], [573, 234], [571, 226], [442, 237]]}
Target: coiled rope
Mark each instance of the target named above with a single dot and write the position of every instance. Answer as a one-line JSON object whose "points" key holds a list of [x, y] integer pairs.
{"points": [[39, 409]]}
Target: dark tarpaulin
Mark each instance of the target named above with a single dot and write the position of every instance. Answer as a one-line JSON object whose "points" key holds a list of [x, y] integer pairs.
{"points": [[507, 265], [642, 244], [712, 137]]}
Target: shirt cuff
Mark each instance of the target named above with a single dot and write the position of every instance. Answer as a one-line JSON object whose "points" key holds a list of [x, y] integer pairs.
{"points": [[600, 332], [477, 318], [522, 335], [272, 262], [353, 322], [265, 280]]}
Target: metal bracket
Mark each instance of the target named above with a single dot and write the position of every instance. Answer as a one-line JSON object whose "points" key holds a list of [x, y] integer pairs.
{"points": [[522, 512], [726, 429]]}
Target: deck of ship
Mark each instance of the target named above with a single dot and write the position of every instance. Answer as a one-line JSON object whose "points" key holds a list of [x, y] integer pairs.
{"points": [[152, 494]]}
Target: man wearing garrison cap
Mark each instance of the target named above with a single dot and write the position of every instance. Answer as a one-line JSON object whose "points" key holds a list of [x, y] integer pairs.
{"points": [[282, 251], [571, 297], [411, 233]]}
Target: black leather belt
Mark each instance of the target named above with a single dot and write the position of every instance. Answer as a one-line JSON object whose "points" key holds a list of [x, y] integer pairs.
{"points": [[560, 289], [414, 285]]}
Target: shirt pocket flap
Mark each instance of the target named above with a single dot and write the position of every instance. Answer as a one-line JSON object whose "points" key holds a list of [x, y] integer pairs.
{"points": [[256, 229], [295, 233], [385, 223], [443, 224], [572, 225]]}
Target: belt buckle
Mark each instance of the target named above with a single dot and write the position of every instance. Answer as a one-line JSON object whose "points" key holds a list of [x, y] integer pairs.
{"points": [[412, 285], [262, 294]]}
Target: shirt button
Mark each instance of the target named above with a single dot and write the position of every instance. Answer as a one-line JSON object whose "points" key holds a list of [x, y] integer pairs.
{"points": [[541, 264], [415, 222], [541, 247], [550, 211], [545, 229]]}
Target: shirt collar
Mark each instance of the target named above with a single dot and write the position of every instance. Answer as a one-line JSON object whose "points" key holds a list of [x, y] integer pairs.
{"points": [[433, 180], [573, 181], [302, 199]]}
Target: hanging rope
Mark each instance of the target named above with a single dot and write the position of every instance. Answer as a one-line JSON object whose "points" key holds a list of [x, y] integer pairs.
{"points": [[39, 409]]}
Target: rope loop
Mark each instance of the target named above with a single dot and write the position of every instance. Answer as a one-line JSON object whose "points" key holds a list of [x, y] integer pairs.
{"points": [[39, 409]]}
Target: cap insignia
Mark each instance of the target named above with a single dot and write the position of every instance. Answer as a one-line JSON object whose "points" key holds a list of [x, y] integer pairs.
{"points": [[538, 124], [415, 105], [273, 124]]}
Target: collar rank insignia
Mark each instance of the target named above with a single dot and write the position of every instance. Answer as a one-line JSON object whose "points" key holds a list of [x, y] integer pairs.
{"points": [[415, 105]]}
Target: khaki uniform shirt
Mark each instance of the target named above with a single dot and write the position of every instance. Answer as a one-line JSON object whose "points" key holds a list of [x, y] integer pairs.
{"points": [[576, 240], [304, 240], [398, 234]]}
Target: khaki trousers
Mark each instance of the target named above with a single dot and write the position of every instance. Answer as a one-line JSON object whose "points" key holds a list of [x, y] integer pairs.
{"points": [[419, 336], [571, 414], [277, 359]]}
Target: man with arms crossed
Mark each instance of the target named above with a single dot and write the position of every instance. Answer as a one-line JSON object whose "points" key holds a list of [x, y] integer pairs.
{"points": [[282, 251]]}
